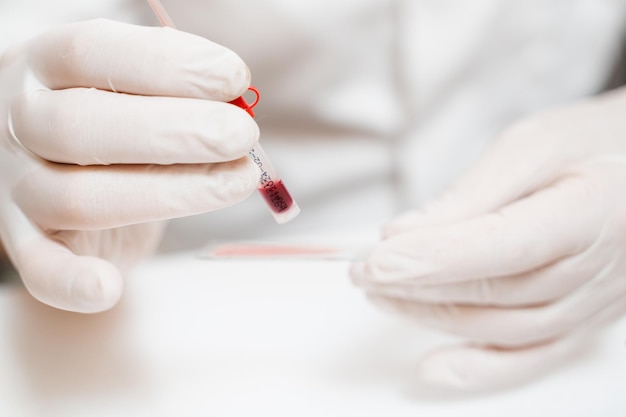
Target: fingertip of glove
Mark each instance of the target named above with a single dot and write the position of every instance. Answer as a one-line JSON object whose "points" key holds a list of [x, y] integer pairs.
{"points": [[210, 70], [237, 180], [97, 286]]}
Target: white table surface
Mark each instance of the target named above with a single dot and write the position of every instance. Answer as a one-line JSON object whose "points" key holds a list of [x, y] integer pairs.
{"points": [[219, 338]]}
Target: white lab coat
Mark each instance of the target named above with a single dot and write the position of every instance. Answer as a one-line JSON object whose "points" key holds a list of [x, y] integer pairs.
{"points": [[372, 106]]}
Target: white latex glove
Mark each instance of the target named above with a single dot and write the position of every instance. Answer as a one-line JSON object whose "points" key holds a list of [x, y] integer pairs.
{"points": [[130, 127], [528, 248]]}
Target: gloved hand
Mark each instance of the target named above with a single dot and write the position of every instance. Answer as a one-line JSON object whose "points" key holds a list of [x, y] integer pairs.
{"points": [[106, 130], [526, 251]]}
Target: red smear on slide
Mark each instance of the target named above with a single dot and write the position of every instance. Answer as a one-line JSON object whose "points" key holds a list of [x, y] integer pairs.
{"points": [[258, 250]]}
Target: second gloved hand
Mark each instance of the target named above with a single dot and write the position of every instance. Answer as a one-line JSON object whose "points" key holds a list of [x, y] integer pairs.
{"points": [[524, 251], [106, 130]]}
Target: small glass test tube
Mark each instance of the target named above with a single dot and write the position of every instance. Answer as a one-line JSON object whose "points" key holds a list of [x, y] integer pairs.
{"points": [[282, 206]]}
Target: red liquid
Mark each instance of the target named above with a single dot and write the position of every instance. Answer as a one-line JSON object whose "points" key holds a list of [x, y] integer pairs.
{"points": [[276, 196]]}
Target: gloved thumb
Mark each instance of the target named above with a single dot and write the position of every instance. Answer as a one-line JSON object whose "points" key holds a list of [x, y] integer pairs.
{"points": [[52, 273]]}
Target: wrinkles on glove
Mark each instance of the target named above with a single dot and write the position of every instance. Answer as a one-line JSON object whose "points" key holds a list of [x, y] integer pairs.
{"points": [[65, 197], [122, 246], [491, 245], [94, 127], [513, 326], [120, 57]]}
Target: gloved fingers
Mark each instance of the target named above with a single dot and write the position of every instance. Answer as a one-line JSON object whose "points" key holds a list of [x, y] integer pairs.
{"points": [[538, 286], [609, 314], [513, 327], [89, 126], [520, 237], [120, 57], [62, 197], [498, 178], [52, 273], [474, 368]]}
